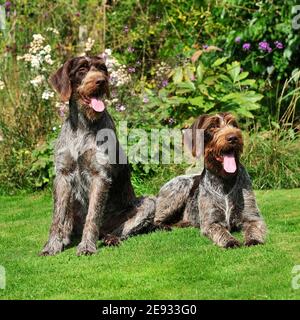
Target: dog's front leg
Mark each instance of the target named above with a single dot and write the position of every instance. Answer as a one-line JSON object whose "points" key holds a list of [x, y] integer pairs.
{"points": [[62, 193], [254, 232], [254, 227], [97, 201], [220, 236]]}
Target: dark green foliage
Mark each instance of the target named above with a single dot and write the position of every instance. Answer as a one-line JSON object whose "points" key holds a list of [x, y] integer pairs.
{"points": [[155, 40]]}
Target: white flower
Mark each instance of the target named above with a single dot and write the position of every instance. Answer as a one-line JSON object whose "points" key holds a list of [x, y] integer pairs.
{"points": [[47, 48], [89, 44], [37, 80], [48, 59], [47, 94], [38, 37], [2, 85], [35, 62], [55, 31]]}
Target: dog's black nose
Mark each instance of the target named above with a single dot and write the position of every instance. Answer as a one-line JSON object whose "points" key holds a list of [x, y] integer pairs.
{"points": [[232, 138]]}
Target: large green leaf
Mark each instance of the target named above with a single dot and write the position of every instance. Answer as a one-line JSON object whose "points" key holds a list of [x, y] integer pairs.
{"points": [[233, 70], [178, 75], [185, 87], [188, 73], [197, 101], [200, 71], [243, 75], [219, 61], [243, 97]]}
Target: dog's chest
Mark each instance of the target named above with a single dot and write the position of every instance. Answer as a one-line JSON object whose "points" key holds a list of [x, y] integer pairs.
{"points": [[230, 213], [79, 158]]}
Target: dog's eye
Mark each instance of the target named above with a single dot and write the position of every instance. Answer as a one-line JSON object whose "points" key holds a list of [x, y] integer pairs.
{"points": [[102, 67], [212, 126], [82, 69]]}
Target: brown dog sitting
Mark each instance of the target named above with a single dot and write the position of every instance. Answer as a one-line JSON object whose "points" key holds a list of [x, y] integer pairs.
{"points": [[93, 195]]}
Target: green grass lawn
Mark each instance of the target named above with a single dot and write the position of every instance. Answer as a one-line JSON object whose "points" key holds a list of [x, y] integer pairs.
{"points": [[161, 265]]}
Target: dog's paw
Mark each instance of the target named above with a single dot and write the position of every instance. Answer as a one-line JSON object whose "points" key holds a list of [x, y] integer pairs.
{"points": [[86, 248], [165, 227], [232, 243], [52, 247], [253, 242], [111, 240]]}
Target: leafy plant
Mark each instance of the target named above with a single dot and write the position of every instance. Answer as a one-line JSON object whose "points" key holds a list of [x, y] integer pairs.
{"points": [[207, 87]]}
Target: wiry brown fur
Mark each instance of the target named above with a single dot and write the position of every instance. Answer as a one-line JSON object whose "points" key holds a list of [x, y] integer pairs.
{"points": [[93, 197], [215, 201]]}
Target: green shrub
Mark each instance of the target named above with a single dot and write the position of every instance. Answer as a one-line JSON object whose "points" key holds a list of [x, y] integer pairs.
{"points": [[154, 40], [208, 86], [273, 159]]}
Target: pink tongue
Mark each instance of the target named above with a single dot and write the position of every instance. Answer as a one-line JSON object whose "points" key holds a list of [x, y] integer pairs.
{"points": [[97, 105], [229, 163]]}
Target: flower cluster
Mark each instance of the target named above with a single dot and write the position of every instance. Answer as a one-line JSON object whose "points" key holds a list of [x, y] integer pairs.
{"points": [[246, 46], [38, 54], [39, 58], [47, 94], [119, 74], [37, 80], [89, 45], [53, 30], [2, 85], [278, 45], [263, 46], [161, 74]]}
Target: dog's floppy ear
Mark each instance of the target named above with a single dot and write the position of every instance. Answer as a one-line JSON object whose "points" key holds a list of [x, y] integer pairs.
{"points": [[60, 81], [198, 124]]}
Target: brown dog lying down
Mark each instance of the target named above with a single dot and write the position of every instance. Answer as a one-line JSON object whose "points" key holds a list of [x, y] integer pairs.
{"points": [[220, 199]]}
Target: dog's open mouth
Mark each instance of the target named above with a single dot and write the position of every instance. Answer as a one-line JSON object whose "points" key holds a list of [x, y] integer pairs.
{"points": [[96, 103], [228, 162]]}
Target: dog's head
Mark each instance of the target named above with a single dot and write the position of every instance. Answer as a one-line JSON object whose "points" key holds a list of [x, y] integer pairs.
{"points": [[85, 79], [223, 143]]}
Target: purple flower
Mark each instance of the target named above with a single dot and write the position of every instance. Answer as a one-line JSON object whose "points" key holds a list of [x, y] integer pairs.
{"points": [[7, 5], [246, 46], [241, 70], [237, 40], [126, 29], [264, 46], [77, 14], [130, 49], [205, 46], [131, 69], [164, 83], [278, 45], [145, 99]]}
